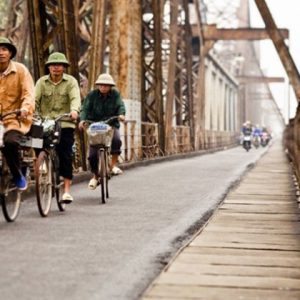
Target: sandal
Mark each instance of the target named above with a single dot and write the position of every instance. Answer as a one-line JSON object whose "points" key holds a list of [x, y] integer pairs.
{"points": [[93, 183], [116, 171], [66, 198]]}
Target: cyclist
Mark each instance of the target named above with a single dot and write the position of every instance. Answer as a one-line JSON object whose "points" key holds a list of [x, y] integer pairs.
{"points": [[16, 92], [56, 94], [100, 104]]}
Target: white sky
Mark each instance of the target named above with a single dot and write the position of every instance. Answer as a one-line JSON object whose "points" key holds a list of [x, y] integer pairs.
{"points": [[286, 14]]}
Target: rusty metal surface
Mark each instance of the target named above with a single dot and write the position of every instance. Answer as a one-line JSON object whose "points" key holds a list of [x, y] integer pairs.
{"points": [[152, 77], [211, 32], [149, 48]]}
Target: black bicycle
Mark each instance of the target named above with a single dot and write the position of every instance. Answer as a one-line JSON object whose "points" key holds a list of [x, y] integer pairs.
{"points": [[47, 179], [100, 135]]}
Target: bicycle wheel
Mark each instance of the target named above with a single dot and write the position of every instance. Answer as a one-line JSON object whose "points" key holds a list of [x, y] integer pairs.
{"points": [[107, 172], [11, 198], [102, 174], [58, 184], [43, 183]]}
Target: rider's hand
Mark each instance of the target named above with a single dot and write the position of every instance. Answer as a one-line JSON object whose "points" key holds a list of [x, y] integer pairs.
{"points": [[121, 118], [74, 115], [23, 113], [82, 125]]}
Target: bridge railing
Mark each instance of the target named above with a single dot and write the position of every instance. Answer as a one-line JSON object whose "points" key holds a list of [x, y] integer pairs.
{"points": [[218, 139], [143, 144], [291, 141]]}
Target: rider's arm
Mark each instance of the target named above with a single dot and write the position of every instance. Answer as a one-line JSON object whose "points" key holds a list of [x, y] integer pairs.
{"points": [[38, 96], [27, 92], [74, 96], [85, 107]]}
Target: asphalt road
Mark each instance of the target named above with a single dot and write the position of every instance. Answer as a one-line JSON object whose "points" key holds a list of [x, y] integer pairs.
{"points": [[114, 251]]}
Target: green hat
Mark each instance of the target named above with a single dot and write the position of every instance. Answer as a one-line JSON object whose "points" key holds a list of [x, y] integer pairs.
{"points": [[7, 43], [57, 58]]}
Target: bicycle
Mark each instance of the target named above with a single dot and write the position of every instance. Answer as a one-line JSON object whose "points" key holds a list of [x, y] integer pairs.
{"points": [[10, 195], [100, 135], [47, 179]]}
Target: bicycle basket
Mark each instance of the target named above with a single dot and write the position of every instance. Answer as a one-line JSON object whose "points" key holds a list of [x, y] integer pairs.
{"points": [[51, 133], [100, 134]]}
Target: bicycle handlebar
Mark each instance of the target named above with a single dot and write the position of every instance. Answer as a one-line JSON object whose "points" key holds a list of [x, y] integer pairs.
{"points": [[17, 112], [56, 120], [104, 121], [60, 117]]}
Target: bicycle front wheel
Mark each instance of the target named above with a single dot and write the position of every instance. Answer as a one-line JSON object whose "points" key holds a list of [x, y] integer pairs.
{"points": [[11, 196], [43, 183], [58, 184], [102, 174]]}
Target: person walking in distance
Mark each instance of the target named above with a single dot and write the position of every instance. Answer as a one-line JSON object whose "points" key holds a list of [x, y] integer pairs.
{"points": [[55, 94], [99, 105], [16, 92]]}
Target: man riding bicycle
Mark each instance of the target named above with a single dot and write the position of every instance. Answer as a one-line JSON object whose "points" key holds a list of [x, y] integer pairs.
{"points": [[99, 105], [16, 92], [55, 94]]}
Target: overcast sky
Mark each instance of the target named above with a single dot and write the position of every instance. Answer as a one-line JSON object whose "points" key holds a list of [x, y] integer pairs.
{"points": [[286, 14]]}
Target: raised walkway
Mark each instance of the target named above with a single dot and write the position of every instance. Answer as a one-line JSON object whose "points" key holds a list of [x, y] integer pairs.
{"points": [[249, 249]]}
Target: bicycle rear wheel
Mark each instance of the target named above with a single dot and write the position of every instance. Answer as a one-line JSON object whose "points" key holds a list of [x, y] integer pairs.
{"points": [[11, 197], [102, 174], [43, 183]]}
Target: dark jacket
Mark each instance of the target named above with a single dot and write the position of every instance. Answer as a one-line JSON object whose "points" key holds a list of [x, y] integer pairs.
{"points": [[97, 107]]}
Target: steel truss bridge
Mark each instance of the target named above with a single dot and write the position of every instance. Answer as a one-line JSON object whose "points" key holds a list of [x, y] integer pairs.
{"points": [[188, 70]]}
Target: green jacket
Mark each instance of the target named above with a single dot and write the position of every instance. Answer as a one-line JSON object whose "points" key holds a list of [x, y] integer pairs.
{"points": [[97, 107], [54, 99]]}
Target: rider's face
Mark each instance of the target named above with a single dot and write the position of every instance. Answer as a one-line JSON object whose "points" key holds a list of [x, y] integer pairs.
{"points": [[56, 69], [5, 54], [104, 88]]}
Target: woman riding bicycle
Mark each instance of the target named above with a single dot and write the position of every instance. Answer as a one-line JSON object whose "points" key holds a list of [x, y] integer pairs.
{"points": [[99, 105]]}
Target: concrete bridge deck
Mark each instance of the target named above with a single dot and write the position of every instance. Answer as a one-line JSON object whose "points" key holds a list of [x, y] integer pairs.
{"points": [[249, 249]]}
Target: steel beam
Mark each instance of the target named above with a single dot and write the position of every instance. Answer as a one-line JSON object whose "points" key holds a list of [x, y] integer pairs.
{"points": [[171, 75], [97, 44], [259, 79], [211, 32], [152, 79], [280, 46]]}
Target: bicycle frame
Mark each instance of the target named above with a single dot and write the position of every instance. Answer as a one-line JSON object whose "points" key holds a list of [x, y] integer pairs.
{"points": [[48, 183], [103, 154]]}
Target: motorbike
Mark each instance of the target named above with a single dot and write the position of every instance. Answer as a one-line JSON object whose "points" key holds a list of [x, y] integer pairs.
{"points": [[247, 142], [256, 141], [264, 139]]}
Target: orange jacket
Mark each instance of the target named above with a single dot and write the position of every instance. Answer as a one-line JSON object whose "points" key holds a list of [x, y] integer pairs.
{"points": [[17, 92]]}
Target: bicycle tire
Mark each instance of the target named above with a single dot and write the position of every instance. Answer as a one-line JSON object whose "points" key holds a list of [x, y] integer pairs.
{"points": [[58, 184], [106, 173], [102, 174], [43, 183], [11, 198]]}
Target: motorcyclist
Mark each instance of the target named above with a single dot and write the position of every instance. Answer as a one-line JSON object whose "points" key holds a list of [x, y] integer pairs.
{"points": [[247, 132], [247, 128], [257, 132]]}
